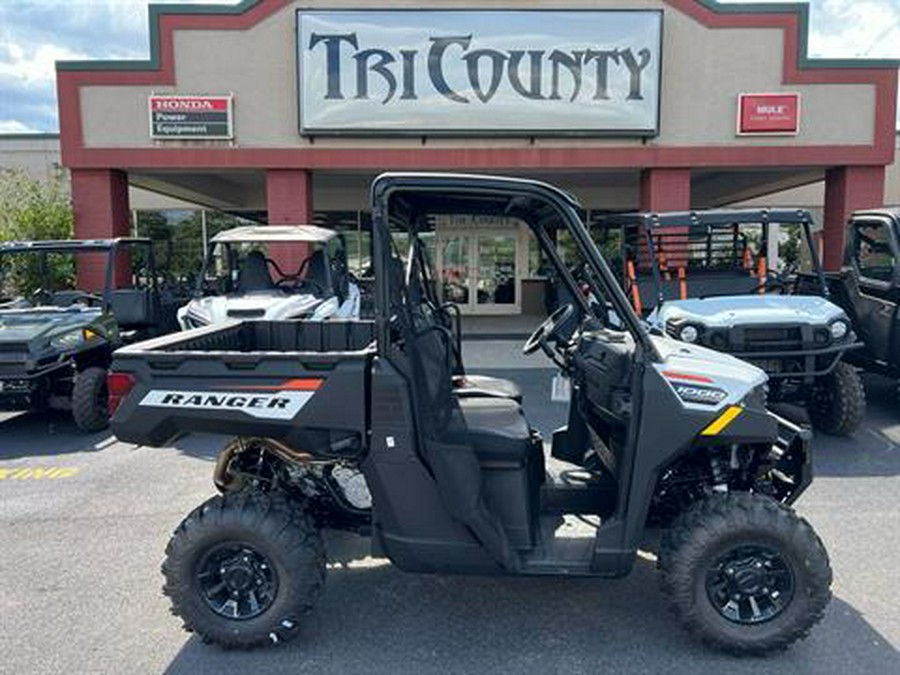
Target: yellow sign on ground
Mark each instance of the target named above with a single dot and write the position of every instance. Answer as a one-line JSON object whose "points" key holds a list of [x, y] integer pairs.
{"points": [[38, 472]]}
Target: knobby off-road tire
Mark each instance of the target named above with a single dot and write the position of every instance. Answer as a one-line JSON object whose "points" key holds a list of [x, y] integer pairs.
{"points": [[839, 401], [265, 544], [715, 538], [90, 400]]}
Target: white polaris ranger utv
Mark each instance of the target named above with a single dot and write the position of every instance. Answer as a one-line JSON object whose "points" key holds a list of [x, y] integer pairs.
{"points": [[240, 279]]}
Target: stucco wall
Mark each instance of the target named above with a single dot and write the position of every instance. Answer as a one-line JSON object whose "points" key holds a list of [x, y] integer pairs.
{"points": [[39, 158], [813, 196], [703, 72]]}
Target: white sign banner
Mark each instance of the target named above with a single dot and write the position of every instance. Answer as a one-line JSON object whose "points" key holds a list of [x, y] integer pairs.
{"points": [[464, 72], [283, 405]]}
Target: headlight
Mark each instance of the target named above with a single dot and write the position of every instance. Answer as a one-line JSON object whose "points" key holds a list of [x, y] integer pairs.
{"points": [[194, 321], [839, 329], [196, 315], [68, 340], [689, 334]]}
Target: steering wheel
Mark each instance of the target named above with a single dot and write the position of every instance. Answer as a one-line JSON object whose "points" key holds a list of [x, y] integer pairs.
{"points": [[36, 296], [91, 298], [774, 280], [547, 330], [294, 284]]}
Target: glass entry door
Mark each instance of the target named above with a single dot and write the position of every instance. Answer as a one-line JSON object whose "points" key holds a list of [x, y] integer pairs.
{"points": [[478, 271]]}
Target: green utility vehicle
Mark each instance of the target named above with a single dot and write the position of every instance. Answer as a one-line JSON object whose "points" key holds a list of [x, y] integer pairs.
{"points": [[57, 338]]}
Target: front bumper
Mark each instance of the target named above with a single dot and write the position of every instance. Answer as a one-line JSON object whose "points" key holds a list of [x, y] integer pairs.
{"points": [[23, 390], [803, 364], [21, 393], [795, 351], [791, 460]]}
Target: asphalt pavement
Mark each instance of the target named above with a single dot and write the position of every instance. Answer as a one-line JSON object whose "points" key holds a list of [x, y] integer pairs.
{"points": [[85, 521]]}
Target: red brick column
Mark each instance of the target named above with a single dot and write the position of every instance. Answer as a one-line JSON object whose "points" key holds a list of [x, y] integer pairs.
{"points": [[847, 189], [100, 203], [289, 200], [665, 190], [668, 190]]}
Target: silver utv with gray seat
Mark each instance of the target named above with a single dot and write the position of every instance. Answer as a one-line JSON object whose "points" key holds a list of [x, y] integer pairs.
{"points": [[738, 281]]}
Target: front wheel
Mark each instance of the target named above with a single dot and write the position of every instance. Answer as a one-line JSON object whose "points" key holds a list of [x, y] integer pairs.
{"points": [[838, 402], [90, 400], [243, 568], [744, 573]]}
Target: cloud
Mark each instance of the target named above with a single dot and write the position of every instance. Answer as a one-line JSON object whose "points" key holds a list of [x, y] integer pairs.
{"points": [[15, 127], [865, 28], [36, 33], [851, 28]]}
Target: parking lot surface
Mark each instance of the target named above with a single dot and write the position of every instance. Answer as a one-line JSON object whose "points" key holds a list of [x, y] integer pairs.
{"points": [[85, 521]]}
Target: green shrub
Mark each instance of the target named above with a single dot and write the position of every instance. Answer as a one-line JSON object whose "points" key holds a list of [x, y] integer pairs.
{"points": [[33, 209]]}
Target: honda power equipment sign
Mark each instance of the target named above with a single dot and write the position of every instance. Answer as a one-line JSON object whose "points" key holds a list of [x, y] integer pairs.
{"points": [[191, 117], [515, 72]]}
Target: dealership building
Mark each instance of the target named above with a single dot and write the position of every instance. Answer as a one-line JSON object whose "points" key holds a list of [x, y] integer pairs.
{"points": [[284, 112]]}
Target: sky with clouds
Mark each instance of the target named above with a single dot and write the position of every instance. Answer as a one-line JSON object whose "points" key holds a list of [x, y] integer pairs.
{"points": [[36, 33]]}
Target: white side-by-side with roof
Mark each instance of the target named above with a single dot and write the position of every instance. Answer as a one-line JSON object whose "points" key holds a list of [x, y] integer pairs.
{"points": [[242, 279]]}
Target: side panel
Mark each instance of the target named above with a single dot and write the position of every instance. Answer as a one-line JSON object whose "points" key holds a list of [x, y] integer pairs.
{"points": [[310, 404], [411, 524], [666, 429]]}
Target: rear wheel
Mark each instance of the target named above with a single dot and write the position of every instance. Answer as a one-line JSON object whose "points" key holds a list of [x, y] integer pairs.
{"points": [[243, 568], [90, 400], [838, 402], [744, 573]]}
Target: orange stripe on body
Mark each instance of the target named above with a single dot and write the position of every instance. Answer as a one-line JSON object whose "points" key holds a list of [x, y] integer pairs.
{"points": [[672, 375], [300, 384]]}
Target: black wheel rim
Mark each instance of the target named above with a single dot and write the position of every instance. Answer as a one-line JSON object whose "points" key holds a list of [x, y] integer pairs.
{"points": [[750, 585], [821, 401], [236, 581]]}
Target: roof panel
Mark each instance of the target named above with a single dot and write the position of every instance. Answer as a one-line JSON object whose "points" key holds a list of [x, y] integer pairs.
{"points": [[260, 233]]}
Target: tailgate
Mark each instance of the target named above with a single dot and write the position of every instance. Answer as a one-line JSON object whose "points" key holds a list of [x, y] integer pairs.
{"points": [[213, 380]]}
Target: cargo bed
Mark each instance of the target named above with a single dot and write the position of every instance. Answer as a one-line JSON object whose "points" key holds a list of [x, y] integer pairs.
{"points": [[250, 378]]}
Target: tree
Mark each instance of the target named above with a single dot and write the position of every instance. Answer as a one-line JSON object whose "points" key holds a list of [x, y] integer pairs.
{"points": [[35, 209], [179, 241]]}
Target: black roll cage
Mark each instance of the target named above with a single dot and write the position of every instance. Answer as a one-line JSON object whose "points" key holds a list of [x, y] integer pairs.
{"points": [[512, 197], [890, 217], [109, 246], [648, 222]]}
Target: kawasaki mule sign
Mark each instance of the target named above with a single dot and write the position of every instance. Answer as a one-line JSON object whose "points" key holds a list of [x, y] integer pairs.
{"points": [[519, 72]]}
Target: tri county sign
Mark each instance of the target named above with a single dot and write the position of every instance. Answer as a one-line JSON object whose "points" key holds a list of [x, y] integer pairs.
{"points": [[472, 72]]}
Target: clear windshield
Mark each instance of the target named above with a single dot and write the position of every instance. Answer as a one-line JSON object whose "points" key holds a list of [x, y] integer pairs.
{"points": [[254, 267], [29, 278], [34, 278]]}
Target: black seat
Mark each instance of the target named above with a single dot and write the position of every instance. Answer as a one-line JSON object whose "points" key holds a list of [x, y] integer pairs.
{"points": [[133, 307], [255, 274], [317, 270], [497, 430], [420, 283], [485, 386]]}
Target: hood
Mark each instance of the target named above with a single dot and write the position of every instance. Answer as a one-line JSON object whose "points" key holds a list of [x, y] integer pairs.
{"points": [[699, 360], [42, 323], [743, 310], [731, 375], [258, 306]]}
